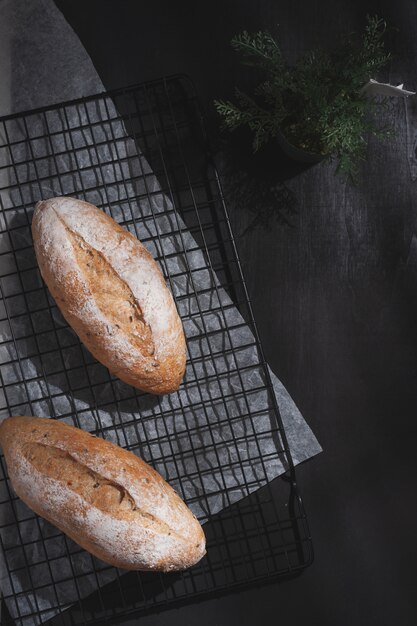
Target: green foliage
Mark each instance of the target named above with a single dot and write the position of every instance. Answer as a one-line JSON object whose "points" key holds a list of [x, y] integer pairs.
{"points": [[317, 104]]}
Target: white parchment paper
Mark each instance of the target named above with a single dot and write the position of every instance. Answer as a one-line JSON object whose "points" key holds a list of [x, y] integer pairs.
{"points": [[213, 451]]}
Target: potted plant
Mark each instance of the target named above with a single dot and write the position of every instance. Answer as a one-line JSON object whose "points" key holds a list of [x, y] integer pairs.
{"points": [[318, 108]]}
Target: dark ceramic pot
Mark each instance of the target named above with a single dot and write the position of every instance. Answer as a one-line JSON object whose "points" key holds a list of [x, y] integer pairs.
{"points": [[278, 160], [298, 154]]}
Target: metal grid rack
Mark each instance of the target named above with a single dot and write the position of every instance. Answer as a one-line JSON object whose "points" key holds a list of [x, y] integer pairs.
{"points": [[45, 370]]}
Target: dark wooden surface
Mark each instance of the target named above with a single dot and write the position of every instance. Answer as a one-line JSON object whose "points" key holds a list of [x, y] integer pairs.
{"points": [[335, 298]]}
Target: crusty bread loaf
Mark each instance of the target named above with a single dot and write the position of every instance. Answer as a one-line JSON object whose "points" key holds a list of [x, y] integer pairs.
{"points": [[111, 291], [105, 498]]}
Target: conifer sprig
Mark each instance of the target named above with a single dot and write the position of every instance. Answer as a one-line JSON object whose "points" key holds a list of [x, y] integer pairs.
{"points": [[318, 104]]}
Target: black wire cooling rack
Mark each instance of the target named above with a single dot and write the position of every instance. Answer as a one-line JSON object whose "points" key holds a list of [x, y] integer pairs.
{"points": [[225, 414]]}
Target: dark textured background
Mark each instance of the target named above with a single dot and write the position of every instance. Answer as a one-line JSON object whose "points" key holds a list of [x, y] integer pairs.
{"points": [[334, 295]]}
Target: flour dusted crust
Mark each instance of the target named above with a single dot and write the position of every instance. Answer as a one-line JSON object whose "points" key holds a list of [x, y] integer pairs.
{"points": [[105, 498], [111, 291]]}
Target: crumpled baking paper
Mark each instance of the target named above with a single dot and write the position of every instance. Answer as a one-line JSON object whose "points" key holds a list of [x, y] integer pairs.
{"points": [[213, 450], [375, 88]]}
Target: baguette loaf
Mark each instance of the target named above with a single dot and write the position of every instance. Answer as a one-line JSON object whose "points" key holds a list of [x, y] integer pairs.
{"points": [[103, 497], [111, 291]]}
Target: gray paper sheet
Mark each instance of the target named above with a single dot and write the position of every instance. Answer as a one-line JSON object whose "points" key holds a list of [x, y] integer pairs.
{"points": [[47, 64]]}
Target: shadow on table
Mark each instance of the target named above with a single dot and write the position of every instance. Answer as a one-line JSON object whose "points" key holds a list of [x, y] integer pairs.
{"points": [[257, 181]]}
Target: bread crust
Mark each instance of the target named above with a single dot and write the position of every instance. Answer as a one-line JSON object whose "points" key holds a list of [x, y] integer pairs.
{"points": [[111, 292], [105, 498]]}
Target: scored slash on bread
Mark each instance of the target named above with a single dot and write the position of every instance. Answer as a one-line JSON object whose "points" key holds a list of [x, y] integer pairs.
{"points": [[103, 497], [111, 292]]}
